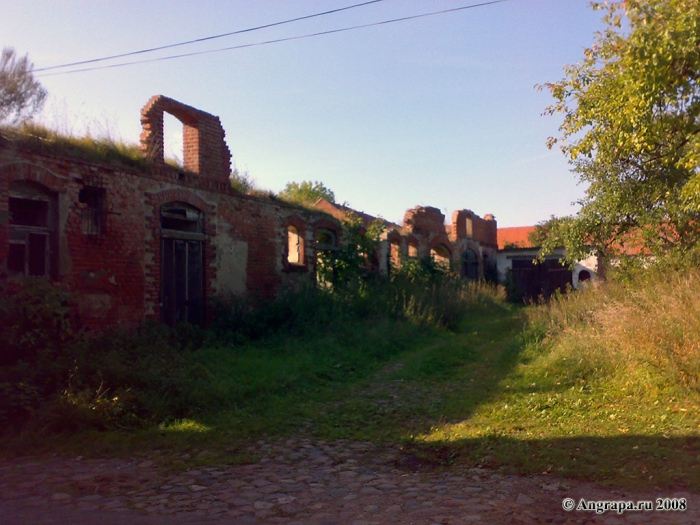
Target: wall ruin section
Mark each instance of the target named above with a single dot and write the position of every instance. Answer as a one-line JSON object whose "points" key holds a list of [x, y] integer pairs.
{"points": [[114, 265], [158, 242]]}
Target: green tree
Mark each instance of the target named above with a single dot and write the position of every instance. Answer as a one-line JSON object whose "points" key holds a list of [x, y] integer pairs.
{"points": [[21, 95], [306, 192], [631, 131]]}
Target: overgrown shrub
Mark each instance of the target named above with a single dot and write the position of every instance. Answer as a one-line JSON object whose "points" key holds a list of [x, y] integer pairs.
{"points": [[132, 378], [424, 293], [51, 372], [297, 312]]}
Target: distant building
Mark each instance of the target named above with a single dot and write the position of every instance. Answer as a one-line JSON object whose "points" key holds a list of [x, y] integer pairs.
{"points": [[529, 278]]}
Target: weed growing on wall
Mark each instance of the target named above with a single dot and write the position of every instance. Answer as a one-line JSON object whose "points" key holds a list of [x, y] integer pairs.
{"points": [[100, 149]]}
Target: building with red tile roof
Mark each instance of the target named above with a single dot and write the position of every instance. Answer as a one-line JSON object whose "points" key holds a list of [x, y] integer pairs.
{"points": [[515, 237]]}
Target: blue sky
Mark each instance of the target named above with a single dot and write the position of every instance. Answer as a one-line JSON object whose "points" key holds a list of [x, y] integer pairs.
{"points": [[438, 111]]}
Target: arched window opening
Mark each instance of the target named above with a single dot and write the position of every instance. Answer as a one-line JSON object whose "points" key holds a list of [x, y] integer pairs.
{"points": [[325, 239], [441, 255], [32, 226], [182, 263], [326, 248], [412, 249], [294, 246], [470, 265]]}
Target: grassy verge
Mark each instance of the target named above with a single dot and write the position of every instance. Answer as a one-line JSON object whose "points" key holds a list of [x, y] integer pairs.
{"points": [[599, 386]]}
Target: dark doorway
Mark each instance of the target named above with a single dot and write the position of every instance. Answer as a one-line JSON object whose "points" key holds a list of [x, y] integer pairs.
{"points": [[182, 264]]}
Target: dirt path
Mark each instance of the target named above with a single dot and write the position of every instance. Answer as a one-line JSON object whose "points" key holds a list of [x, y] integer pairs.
{"points": [[300, 482]]}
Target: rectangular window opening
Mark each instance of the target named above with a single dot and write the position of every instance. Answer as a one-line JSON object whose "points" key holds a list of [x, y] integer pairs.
{"points": [[94, 215]]}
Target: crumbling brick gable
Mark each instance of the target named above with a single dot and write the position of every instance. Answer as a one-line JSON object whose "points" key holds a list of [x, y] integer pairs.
{"points": [[204, 149], [424, 220], [468, 225]]}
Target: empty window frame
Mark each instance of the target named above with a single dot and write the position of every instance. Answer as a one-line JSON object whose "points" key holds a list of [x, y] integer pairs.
{"points": [[441, 255], [295, 246], [325, 239], [94, 213], [31, 230], [394, 255]]}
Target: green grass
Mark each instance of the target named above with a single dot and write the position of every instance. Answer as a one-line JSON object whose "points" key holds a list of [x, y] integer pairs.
{"points": [[277, 382], [563, 389], [599, 386]]}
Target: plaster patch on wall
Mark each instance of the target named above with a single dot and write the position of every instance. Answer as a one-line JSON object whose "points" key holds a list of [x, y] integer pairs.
{"points": [[231, 264]]}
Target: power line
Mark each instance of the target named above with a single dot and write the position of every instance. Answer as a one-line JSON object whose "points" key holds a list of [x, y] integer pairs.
{"points": [[204, 39], [278, 40]]}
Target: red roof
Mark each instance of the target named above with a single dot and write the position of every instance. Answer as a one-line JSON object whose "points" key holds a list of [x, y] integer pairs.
{"points": [[516, 237]]}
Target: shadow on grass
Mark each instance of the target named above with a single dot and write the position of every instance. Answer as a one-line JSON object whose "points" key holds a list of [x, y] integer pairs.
{"points": [[440, 383], [634, 462], [427, 391]]}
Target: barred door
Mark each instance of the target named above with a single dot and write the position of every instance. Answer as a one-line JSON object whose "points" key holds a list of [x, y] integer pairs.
{"points": [[182, 264], [182, 281]]}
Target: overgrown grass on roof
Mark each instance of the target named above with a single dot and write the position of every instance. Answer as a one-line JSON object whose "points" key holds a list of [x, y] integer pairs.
{"points": [[98, 149]]}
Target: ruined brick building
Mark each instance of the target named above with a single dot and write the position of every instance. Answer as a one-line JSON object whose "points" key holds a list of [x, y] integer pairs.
{"points": [[468, 246], [158, 242]]}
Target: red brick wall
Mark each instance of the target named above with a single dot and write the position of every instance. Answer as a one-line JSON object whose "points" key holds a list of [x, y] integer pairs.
{"points": [[116, 276], [204, 148]]}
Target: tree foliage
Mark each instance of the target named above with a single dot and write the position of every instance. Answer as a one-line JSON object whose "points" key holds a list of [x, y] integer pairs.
{"points": [[21, 95], [631, 131], [538, 237], [306, 192]]}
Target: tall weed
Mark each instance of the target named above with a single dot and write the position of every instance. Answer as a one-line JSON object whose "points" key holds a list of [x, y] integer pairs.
{"points": [[439, 302], [651, 318]]}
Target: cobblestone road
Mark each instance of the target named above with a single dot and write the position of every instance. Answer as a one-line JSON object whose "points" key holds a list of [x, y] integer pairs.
{"points": [[300, 482]]}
